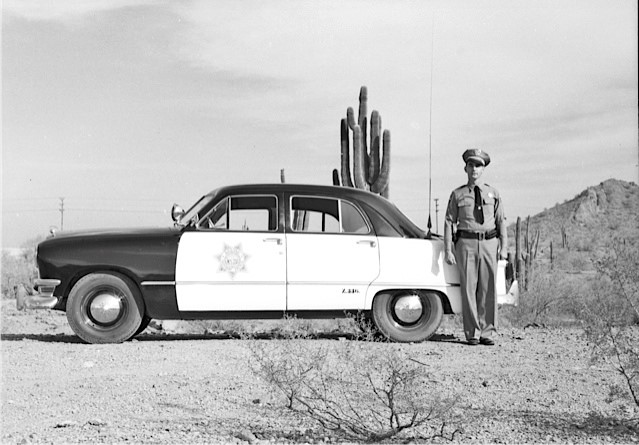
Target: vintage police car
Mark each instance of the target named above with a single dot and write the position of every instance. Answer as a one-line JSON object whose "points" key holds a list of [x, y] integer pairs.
{"points": [[254, 251]]}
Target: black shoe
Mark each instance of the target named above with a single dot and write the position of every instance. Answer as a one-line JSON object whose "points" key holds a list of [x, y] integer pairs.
{"points": [[472, 342], [486, 341]]}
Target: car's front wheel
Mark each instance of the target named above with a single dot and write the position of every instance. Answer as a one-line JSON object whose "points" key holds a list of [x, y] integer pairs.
{"points": [[105, 308], [407, 315]]}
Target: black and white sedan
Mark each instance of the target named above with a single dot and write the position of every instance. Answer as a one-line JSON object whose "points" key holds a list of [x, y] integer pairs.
{"points": [[254, 251]]}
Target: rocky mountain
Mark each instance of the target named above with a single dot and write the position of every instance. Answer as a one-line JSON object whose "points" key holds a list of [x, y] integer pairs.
{"points": [[585, 225]]}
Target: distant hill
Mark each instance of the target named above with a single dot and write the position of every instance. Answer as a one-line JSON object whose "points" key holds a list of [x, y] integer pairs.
{"points": [[590, 221]]}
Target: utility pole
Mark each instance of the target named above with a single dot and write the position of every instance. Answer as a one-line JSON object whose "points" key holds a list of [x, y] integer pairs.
{"points": [[437, 215], [61, 214]]}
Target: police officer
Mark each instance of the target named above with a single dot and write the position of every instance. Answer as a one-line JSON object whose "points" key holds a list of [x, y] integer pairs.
{"points": [[476, 211]]}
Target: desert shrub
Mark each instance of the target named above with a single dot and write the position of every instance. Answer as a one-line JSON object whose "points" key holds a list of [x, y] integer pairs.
{"points": [[354, 326], [354, 393], [585, 244], [363, 327], [547, 301], [610, 315], [290, 327], [18, 270], [572, 260]]}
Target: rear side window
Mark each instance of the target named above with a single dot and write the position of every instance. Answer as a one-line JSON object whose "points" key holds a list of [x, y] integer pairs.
{"points": [[326, 215], [243, 213]]}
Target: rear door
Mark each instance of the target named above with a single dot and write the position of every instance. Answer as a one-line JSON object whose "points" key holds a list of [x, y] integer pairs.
{"points": [[235, 259], [333, 254]]}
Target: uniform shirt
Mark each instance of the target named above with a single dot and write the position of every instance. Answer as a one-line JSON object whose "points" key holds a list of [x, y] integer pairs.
{"points": [[460, 211]]}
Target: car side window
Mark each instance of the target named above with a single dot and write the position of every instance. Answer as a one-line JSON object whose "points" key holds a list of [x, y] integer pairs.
{"points": [[352, 219], [326, 215], [243, 213]]}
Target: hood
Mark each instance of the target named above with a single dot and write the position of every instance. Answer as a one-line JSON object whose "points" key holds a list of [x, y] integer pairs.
{"points": [[114, 233]]}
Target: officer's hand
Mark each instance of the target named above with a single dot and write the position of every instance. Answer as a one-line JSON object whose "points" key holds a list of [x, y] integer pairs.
{"points": [[450, 258]]}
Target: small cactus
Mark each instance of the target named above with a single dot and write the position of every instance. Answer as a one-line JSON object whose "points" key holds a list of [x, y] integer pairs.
{"points": [[368, 172]]}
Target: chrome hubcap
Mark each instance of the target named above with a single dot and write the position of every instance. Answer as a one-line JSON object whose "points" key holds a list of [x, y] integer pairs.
{"points": [[105, 308], [408, 308]]}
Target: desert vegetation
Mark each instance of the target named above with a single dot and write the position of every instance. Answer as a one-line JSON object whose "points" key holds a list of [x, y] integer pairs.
{"points": [[366, 169], [18, 268], [354, 395], [364, 397], [362, 389]]}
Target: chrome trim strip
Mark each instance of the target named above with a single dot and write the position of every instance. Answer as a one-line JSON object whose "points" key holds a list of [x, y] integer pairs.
{"points": [[158, 283], [299, 283], [46, 282], [415, 285], [331, 283], [240, 283]]}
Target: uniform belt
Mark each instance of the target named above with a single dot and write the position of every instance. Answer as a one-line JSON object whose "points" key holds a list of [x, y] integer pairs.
{"points": [[477, 235]]}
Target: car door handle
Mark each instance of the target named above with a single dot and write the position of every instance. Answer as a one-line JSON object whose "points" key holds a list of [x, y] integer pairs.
{"points": [[369, 242], [278, 241]]}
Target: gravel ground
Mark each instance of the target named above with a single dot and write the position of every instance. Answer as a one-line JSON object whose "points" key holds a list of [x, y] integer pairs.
{"points": [[535, 386]]}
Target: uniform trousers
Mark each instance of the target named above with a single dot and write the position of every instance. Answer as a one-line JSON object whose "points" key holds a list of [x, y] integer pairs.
{"points": [[477, 263]]}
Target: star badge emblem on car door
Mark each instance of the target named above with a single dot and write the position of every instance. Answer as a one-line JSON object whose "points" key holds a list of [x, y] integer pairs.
{"points": [[232, 260]]}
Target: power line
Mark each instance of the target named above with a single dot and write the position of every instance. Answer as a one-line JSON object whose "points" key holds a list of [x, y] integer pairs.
{"points": [[84, 198], [29, 210], [116, 210], [75, 209]]}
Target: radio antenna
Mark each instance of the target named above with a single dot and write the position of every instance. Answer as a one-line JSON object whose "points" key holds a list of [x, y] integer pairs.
{"points": [[430, 125]]}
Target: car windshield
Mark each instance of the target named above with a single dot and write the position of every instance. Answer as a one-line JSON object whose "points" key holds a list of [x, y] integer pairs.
{"points": [[192, 216]]}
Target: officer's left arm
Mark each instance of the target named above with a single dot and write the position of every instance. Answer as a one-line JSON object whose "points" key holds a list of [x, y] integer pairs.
{"points": [[500, 221]]}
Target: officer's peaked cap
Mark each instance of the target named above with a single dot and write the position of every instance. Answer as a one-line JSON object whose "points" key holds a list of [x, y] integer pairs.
{"points": [[476, 155]]}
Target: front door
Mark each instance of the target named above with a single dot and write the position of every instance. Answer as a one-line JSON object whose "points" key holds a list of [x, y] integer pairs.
{"points": [[332, 252], [235, 259]]}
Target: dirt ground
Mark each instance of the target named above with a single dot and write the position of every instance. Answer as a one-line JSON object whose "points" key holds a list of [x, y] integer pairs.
{"points": [[171, 386]]}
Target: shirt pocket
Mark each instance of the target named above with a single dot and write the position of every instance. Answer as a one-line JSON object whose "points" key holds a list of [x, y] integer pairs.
{"points": [[465, 207], [489, 205]]}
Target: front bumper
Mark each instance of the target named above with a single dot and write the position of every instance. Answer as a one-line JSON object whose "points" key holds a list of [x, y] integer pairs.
{"points": [[43, 299]]}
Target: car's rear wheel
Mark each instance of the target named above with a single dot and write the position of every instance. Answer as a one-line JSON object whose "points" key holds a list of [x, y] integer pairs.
{"points": [[105, 308], [407, 315]]}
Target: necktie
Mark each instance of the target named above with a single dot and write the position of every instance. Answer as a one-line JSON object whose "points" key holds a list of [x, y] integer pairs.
{"points": [[479, 209]]}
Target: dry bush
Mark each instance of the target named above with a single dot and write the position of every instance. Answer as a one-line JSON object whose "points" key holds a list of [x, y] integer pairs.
{"points": [[18, 270], [363, 327], [573, 260], [610, 316], [352, 392], [547, 301]]}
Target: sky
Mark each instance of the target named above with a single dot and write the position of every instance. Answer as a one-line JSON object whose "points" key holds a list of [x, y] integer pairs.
{"points": [[117, 109]]}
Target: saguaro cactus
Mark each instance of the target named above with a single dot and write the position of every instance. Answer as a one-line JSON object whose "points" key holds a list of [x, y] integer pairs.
{"points": [[368, 172]]}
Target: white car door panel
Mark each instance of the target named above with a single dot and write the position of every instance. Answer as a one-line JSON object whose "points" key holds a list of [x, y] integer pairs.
{"points": [[330, 271], [231, 271]]}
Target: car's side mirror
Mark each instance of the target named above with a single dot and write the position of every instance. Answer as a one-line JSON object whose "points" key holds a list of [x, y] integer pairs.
{"points": [[177, 213]]}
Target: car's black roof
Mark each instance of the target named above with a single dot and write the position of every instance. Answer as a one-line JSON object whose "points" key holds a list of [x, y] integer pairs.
{"points": [[383, 206], [331, 190]]}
